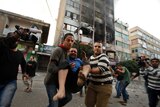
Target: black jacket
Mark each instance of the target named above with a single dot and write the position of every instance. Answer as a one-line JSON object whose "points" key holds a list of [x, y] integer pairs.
{"points": [[10, 61]]}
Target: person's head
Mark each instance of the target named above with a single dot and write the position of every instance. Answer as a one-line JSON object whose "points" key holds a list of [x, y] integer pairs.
{"points": [[31, 58], [155, 62], [97, 48], [12, 41], [119, 68], [73, 53], [143, 57], [68, 40]]}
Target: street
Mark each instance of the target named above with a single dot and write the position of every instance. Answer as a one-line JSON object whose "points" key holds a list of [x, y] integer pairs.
{"points": [[38, 96]]}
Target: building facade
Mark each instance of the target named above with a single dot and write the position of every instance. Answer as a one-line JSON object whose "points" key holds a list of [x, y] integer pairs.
{"points": [[143, 43], [88, 20], [122, 43]]}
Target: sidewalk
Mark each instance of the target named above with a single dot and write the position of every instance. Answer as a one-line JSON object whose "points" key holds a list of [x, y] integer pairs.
{"points": [[38, 98]]}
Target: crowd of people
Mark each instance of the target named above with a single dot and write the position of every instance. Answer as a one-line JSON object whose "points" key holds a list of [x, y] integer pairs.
{"points": [[67, 74]]}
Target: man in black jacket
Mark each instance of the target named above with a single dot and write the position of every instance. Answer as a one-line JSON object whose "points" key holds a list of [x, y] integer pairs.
{"points": [[10, 59]]}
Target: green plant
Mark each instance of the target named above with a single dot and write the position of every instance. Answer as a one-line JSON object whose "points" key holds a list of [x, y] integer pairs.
{"points": [[81, 47]]}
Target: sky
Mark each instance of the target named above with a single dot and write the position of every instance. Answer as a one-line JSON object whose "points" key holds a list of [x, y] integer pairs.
{"points": [[142, 13]]}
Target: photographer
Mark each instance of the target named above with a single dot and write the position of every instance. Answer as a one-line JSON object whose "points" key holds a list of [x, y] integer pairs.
{"points": [[10, 59], [153, 85], [141, 62]]}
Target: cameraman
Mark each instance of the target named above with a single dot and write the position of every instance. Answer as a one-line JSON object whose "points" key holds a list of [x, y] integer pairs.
{"points": [[153, 84], [141, 62], [10, 59]]}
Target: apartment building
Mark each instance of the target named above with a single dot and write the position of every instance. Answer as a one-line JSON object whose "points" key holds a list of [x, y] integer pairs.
{"points": [[143, 43], [88, 20], [122, 43]]}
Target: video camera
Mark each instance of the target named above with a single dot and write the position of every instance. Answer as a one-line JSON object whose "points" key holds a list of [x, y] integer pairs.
{"points": [[25, 33], [141, 62]]}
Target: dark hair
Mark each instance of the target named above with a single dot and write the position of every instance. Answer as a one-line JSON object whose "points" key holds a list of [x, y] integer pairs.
{"points": [[119, 64], [66, 35], [98, 42]]}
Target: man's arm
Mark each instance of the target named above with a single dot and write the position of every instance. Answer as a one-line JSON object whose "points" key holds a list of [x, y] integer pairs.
{"points": [[54, 61], [103, 64], [136, 75]]}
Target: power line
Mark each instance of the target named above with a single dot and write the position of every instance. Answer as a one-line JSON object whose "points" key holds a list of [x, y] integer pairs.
{"points": [[49, 8]]}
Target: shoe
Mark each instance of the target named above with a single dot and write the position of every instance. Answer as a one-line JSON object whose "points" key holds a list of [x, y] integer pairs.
{"points": [[29, 90], [116, 97], [25, 90], [124, 103]]}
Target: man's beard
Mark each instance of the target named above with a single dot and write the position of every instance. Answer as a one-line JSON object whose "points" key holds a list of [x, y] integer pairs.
{"points": [[72, 57], [155, 66]]}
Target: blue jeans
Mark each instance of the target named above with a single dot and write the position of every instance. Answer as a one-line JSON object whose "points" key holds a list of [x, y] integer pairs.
{"points": [[118, 88], [7, 92], [51, 91], [124, 91]]}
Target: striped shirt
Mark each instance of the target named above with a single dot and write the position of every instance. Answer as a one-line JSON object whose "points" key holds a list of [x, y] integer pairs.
{"points": [[102, 62], [153, 78]]}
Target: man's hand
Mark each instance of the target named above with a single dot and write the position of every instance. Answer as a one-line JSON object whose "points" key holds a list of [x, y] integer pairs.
{"points": [[72, 64]]}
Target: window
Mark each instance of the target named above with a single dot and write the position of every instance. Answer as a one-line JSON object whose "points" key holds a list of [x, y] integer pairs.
{"points": [[68, 14], [70, 28], [134, 41], [75, 17], [119, 43], [118, 34], [98, 14], [125, 37], [65, 26], [144, 45], [70, 3], [136, 50], [76, 6], [139, 33]]}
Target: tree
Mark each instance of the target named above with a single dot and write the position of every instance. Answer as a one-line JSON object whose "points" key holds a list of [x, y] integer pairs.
{"points": [[81, 47], [131, 65]]}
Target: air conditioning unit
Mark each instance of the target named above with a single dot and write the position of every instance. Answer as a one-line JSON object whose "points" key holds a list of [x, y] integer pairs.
{"points": [[83, 24]]}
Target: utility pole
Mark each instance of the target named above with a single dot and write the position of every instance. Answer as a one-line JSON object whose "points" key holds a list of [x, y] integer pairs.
{"points": [[105, 32], [93, 26], [79, 38]]}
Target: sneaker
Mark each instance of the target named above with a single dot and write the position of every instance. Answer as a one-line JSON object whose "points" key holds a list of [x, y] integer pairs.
{"points": [[29, 90], [25, 90], [116, 97], [124, 103], [127, 97]]}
